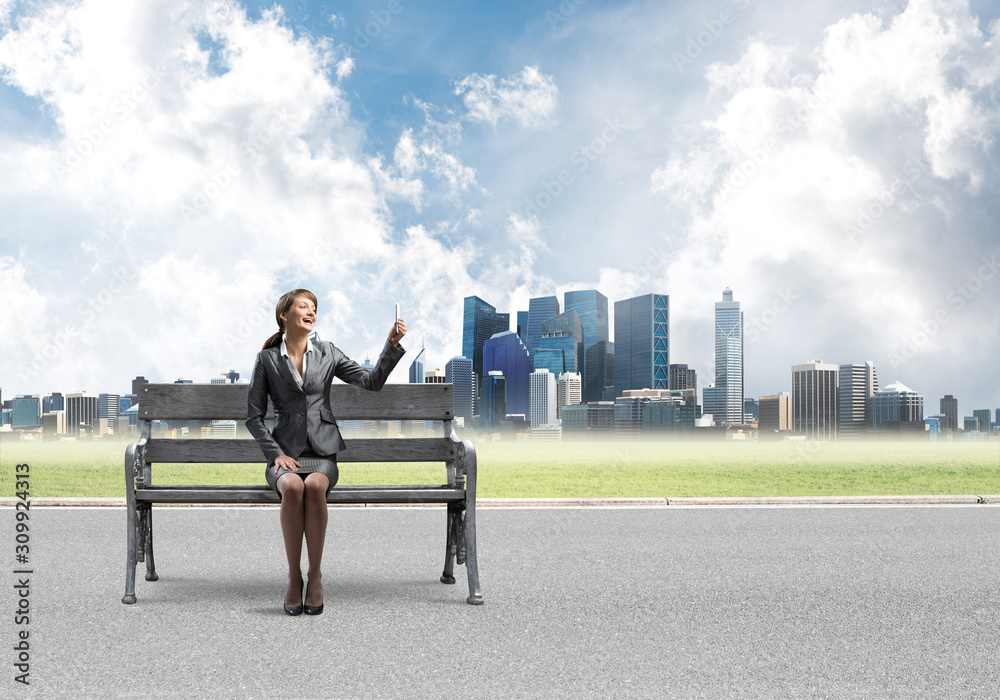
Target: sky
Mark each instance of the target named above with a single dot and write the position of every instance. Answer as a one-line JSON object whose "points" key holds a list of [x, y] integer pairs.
{"points": [[168, 169]]}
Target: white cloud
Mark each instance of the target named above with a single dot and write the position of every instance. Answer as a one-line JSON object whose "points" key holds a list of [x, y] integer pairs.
{"points": [[530, 98]]}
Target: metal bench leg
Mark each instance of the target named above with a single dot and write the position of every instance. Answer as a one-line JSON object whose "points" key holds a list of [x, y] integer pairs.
{"points": [[471, 561], [150, 566], [131, 557], [450, 546]]}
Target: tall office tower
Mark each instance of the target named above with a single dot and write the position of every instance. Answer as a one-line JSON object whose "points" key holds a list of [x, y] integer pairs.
{"points": [[137, 385], [970, 424], [598, 370], [775, 413], [27, 412], [417, 368], [80, 410], [125, 402], [522, 326], [563, 332], [983, 416], [568, 390], [53, 402], [107, 409], [642, 343], [949, 407], [592, 308], [458, 373], [729, 356], [506, 353], [540, 310], [856, 383], [714, 403], [683, 378], [543, 398], [814, 400], [480, 322], [751, 410], [492, 401], [552, 359], [897, 404]]}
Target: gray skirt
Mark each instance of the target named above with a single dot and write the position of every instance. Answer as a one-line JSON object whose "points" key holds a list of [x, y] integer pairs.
{"points": [[310, 462]]}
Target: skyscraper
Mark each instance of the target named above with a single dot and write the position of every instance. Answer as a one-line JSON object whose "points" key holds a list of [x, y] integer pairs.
{"points": [[814, 400], [592, 308], [540, 310], [856, 383], [27, 412], [107, 411], [53, 402], [543, 398], [417, 368], [505, 352], [642, 343], [896, 403], [568, 389], [598, 370], [480, 322], [492, 402], [683, 378], [729, 357], [949, 407], [458, 372], [775, 413], [983, 416], [522, 326], [564, 332], [80, 410]]}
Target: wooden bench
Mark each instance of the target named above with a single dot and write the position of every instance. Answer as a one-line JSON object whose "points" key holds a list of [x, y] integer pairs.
{"points": [[229, 402]]}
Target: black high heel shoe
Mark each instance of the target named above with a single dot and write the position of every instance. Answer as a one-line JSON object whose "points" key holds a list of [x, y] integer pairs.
{"points": [[312, 609], [295, 610]]}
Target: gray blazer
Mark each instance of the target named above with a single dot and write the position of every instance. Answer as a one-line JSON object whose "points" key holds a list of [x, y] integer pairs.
{"points": [[301, 412]]}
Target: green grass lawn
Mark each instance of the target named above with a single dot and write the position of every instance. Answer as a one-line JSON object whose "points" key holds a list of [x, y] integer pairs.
{"points": [[613, 469]]}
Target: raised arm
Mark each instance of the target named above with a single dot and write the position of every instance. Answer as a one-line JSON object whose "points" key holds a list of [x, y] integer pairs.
{"points": [[351, 372]]}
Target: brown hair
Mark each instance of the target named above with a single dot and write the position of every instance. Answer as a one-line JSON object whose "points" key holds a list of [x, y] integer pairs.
{"points": [[283, 306]]}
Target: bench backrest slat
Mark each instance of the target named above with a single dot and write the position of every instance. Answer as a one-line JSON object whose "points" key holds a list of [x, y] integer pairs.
{"points": [[224, 451], [348, 402]]}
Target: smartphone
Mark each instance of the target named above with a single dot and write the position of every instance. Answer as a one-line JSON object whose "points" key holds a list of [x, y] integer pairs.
{"points": [[395, 320]]}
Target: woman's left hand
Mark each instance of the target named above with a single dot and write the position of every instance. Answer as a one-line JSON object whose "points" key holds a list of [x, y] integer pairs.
{"points": [[394, 336]]}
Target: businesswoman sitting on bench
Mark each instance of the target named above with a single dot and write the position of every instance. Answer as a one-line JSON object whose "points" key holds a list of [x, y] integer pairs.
{"points": [[301, 452]]}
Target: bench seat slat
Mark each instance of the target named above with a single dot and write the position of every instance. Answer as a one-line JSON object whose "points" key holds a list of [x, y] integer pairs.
{"points": [[263, 494], [348, 402], [208, 451]]}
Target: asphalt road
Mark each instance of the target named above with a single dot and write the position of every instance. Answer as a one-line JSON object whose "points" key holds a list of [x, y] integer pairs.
{"points": [[760, 602]]}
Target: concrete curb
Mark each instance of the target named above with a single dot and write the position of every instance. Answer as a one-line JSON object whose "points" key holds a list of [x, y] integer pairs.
{"points": [[576, 502]]}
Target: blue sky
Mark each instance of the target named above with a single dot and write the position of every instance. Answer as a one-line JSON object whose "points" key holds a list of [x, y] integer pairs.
{"points": [[168, 169]]}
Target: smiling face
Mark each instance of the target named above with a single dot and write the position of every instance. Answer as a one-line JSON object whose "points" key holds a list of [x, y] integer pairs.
{"points": [[301, 317]]}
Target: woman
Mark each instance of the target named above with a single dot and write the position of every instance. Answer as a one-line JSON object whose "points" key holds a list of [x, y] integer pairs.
{"points": [[302, 449]]}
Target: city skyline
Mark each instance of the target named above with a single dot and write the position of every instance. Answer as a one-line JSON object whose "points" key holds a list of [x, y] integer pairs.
{"points": [[834, 165]]}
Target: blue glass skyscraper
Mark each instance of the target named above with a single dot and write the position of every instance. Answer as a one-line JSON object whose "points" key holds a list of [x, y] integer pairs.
{"points": [[540, 310], [598, 370], [522, 326], [480, 321], [642, 343], [564, 332], [417, 368], [729, 357], [505, 352], [592, 308]]}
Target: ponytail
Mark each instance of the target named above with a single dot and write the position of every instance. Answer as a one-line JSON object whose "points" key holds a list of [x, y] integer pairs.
{"points": [[274, 340]]}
